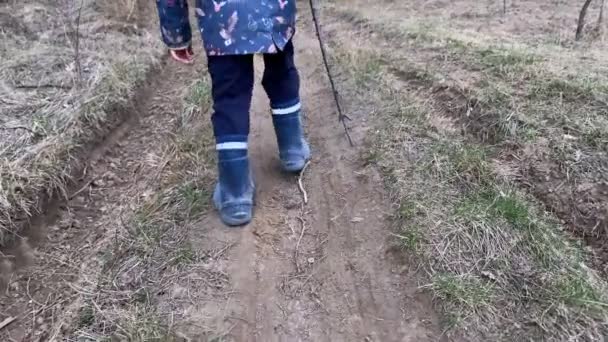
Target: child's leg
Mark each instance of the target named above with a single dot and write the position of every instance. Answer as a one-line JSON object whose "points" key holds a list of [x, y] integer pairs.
{"points": [[232, 88], [281, 79], [282, 84]]}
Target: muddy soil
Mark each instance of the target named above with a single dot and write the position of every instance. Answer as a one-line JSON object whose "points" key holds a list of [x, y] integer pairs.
{"points": [[323, 270]]}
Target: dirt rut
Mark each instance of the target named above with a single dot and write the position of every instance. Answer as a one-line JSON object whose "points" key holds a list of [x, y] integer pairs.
{"points": [[60, 257], [316, 271]]}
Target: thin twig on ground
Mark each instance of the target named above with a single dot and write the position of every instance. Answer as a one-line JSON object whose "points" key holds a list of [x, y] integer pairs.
{"points": [[39, 86], [77, 46], [6, 128], [223, 250], [133, 4], [296, 251], [300, 186], [86, 186]]}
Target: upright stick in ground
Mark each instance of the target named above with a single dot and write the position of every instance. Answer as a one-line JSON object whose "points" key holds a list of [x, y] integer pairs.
{"points": [[600, 19], [341, 115], [581, 20]]}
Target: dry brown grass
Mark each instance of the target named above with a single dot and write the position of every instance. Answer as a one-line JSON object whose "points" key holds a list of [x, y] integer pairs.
{"points": [[56, 99], [500, 266]]}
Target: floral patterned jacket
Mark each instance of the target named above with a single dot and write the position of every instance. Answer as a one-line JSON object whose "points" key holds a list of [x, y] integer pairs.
{"points": [[230, 27]]}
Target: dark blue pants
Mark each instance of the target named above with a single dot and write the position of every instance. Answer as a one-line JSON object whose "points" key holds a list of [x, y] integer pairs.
{"points": [[232, 78]]}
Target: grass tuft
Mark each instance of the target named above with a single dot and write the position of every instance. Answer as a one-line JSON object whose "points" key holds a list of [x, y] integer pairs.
{"points": [[198, 101], [194, 199], [474, 293], [410, 238]]}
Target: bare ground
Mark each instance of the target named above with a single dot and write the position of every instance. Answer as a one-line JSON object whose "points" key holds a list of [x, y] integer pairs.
{"points": [[125, 259]]}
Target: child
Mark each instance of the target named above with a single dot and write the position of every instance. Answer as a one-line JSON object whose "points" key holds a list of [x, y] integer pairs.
{"points": [[233, 31]]}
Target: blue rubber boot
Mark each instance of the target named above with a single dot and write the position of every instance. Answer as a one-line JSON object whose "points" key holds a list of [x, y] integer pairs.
{"points": [[294, 151], [234, 193]]}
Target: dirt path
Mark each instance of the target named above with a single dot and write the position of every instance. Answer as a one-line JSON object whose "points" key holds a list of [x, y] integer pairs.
{"points": [[320, 271]]}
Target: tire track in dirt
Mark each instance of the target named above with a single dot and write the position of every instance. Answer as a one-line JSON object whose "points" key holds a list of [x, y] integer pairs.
{"points": [[70, 240], [321, 271]]}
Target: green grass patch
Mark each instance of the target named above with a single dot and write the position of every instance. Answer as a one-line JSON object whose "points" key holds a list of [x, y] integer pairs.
{"points": [[86, 316], [147, 228], [408, 210], [145, 325], [580, 89], [575, 289], [185, 255], [467, 291], [194, 199], [503, 62], [410, 237], [471, 162], [197, 102], [457, 161], [493, 204], [505, 208]]}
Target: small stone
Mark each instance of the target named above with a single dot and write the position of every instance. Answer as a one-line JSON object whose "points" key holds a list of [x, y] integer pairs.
{"points": [[311, 260]]}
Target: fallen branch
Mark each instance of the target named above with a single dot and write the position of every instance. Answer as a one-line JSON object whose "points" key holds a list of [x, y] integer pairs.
{"points": [[39, 86], [6, 322]]}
